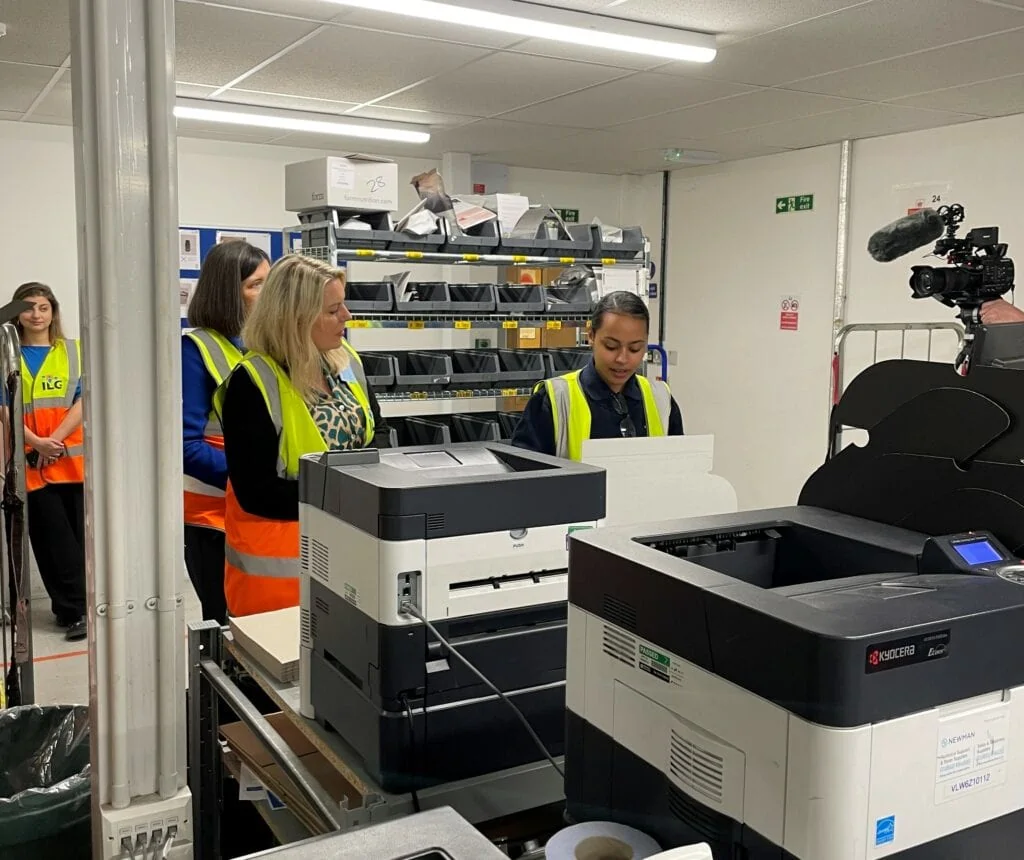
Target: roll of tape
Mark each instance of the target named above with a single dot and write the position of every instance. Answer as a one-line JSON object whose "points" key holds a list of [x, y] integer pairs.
{"points": [[600, 840]]}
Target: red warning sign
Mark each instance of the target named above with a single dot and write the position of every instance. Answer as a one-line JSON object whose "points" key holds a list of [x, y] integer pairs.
{"points": [[789, 313]]}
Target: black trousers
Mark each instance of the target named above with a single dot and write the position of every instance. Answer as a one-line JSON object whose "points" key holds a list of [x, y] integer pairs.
{"points": [[56, 529], [204, 559]]}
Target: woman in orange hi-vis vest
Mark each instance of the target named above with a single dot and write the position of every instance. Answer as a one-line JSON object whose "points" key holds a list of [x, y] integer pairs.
{"points": [[229, 285], [51, 371], [299, 389]]}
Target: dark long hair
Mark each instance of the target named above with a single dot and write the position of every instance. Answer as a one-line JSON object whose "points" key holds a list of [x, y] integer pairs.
{"points": [[620, 302], [217, 302], [34, 289]]}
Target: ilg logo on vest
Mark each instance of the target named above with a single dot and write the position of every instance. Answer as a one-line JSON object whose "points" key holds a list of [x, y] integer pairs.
{"points": [[51, 384]]}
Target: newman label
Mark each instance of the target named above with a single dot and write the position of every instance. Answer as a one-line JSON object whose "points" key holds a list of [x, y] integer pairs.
{"points": [[971, 753], [906, 652]]}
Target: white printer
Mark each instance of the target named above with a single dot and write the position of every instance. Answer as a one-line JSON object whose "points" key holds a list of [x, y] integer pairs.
{"points": [[841, 680], [476, 535]]}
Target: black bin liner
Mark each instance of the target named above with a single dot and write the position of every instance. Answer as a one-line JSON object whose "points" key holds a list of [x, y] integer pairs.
{"points": [[45, 804]]}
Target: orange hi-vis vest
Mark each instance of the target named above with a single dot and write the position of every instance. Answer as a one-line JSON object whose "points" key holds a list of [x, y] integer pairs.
{"points": [[47, 397], [261, 556], [204, 504]]}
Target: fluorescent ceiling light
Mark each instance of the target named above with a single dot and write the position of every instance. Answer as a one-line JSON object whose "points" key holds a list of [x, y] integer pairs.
{"points": [[259, 117], [558, 25]]}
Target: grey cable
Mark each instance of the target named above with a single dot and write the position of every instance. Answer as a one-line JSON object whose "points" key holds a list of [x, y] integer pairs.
{"points": [[407, 608]]}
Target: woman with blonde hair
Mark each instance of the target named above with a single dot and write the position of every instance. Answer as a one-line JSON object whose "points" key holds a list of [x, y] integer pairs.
{"points": [[51, 371], [299, 390]]}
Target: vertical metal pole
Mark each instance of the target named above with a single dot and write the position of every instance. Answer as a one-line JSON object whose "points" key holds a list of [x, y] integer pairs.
{"points": [[839, 293], [666, 181], [204, 769], [126, 194]]}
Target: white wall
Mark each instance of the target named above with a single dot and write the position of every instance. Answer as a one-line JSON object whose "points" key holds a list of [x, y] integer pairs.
{"points": [[764, 392]]}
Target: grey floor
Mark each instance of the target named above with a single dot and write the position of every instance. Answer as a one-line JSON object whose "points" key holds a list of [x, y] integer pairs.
{"points": [[61, 667]]}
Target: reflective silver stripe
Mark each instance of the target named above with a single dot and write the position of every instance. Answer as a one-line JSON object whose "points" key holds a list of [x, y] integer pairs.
{"points": [[357, 365], [273, 390], [213, 427], [193, 485], [46, 403], [221, 366], [663, 400], [262, 565], [74, 371], [75, 451], [558, 389]]}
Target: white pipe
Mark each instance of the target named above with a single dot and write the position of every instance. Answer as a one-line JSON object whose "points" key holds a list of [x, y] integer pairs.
{"points": [[839, 292], [167, 391]]}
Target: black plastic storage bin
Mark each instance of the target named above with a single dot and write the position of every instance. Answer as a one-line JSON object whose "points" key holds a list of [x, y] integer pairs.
{"points": [[507, 422], [429, 244], [422, 371], [472, 298], [369, 297], [475, 428], [45, 783], [481, 239], [632, 244], [377, 238], [386, 438], [474, 368], [427, 431], [561, 361], [520, 299], [578, 244], [520, 368], [569, 300], [422, 297], [379, 368]]}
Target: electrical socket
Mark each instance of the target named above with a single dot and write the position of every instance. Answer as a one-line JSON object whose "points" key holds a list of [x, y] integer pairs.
{"points": [[147, 820], [409, 588]]}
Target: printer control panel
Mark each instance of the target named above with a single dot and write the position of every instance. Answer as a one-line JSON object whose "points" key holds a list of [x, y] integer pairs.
{"points": [[972, 552]]}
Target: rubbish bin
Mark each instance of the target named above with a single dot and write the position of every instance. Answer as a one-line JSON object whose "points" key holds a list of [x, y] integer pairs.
{"points": [[45, 802]]}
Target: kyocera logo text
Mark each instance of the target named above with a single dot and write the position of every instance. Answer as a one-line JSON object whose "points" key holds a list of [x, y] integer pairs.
{"points": [[879, 657]]}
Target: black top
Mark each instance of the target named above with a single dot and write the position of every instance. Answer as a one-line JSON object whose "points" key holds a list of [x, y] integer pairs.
{"points": [[536, 430], [251, 445]]}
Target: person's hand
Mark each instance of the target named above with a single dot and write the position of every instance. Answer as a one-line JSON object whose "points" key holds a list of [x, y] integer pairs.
{"points": [[1000, 311], [49, 449]]}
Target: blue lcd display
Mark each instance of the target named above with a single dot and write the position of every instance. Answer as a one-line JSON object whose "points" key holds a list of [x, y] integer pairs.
{"points": [[977, 552]]}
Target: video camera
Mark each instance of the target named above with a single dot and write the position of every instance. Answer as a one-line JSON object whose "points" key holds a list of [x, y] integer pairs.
{"points": [[978, 271]]}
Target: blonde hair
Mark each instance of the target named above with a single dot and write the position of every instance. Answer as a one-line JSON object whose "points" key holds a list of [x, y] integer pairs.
{"points": [[281, 323]]}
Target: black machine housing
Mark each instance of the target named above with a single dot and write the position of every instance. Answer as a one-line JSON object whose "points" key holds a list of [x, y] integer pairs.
{"points": [[796, 605]]}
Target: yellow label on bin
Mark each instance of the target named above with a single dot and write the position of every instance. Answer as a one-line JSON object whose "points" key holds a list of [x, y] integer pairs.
{"points": [[608, 261], [518, 258], [567, 260], [357, 324], [509, 392], [463, 393], [470, 258], [414, 255], [363, 252], [416, 324], [510, 324], [418, 395], [554, 325], [463, 324]]}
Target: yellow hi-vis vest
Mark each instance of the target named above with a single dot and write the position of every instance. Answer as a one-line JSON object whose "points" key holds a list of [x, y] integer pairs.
{"points": [[570, 411], [204, 503], [261, 556], [46, 399]]}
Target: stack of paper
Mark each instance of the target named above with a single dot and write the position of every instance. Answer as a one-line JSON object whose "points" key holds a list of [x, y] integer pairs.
{"points": [[272, 640]]}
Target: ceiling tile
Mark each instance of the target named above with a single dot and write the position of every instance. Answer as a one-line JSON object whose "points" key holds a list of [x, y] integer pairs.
{"points": [[854, 36], [404, 25], [38, 31], [585, 54], [342, 146], [626, 99], [866, 120], [187, 90], [417, 117], [285, 102], [216, 45], [502, 82], [1000, 97], [349, 65], [967, 62], [725, 115], [57, 103], [10, 115], [19, 85], [495, 134], [312, 10]]}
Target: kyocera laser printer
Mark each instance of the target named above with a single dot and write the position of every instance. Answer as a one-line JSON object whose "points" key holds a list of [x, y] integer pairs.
{"points": [[476, 536], [835, 681]]}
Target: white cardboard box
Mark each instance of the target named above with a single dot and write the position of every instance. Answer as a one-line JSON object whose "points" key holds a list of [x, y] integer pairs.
{"points": [[363, 183]]}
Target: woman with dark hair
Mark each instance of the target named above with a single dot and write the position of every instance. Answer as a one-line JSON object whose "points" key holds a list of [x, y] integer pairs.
{"points": [[607, 399], [229, 285], [51, 370]]}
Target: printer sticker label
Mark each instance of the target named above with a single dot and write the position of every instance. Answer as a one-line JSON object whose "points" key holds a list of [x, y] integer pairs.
{"points": [[906, 652], [885, 830], [351, 594], [971, 753], [658, 665]]}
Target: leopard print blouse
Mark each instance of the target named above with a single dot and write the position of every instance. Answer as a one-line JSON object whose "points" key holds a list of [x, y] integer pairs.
{"points": [[339, 417]]}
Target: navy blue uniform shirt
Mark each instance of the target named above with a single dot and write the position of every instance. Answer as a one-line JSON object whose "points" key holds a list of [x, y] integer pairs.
{"points": [[536, 430]]}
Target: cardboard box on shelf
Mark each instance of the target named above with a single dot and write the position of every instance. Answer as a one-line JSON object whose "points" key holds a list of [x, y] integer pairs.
{"points": [[357, 183], [533, 337], [531, 274]]}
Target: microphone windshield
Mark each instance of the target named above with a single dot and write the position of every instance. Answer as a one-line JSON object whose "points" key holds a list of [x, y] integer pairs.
{"points": [[905, 235]]}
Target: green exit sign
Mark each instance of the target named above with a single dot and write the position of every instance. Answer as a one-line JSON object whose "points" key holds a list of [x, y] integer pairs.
{"points": [[569, 216], [800, 203]]}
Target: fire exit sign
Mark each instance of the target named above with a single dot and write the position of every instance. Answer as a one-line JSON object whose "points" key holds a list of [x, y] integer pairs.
{"points": [[800, 203], [569, 216]]}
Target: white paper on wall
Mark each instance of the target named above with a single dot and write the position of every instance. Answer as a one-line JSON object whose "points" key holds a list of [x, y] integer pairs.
{"points": [[912, 196], [188, 249], [258, 240]]}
